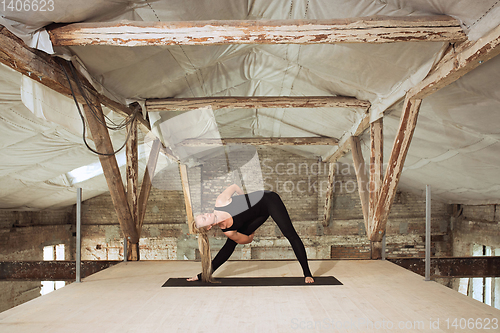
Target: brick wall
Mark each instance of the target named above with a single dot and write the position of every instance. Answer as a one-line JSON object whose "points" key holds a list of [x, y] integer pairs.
{"points": [[473, 224], [301, 182], [478, 224], [22, 237]]}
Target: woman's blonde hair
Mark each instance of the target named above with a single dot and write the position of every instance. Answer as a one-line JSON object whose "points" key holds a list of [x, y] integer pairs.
{"points": [[205, 254]]}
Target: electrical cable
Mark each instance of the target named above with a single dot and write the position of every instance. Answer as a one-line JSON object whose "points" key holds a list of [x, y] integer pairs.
{"points": [[94, 112], [92, 107]]}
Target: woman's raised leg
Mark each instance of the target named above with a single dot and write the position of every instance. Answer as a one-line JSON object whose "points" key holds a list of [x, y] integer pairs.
{"points": [[279, 213]]}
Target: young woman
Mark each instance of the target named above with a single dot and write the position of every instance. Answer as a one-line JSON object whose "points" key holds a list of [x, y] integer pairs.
{"points": [[239, 216]]}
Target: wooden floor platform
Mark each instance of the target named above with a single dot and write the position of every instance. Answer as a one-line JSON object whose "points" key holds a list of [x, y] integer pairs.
{"points": [[376, 296]]}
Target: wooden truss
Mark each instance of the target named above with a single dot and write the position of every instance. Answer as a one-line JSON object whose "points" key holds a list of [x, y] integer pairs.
{"points": [[377, 196]]}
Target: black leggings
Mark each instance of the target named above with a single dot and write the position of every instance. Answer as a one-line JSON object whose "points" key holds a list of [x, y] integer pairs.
{"points": [[277, 210]]}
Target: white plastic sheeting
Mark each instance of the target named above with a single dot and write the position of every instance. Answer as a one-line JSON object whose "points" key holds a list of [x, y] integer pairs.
{"points": [[455, 148], [41, 141]]}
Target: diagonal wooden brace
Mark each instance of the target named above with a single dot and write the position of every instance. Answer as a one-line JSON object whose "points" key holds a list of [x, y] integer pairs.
{"points": [[111, 171]]}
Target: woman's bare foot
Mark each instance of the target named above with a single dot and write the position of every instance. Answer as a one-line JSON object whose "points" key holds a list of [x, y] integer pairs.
{"points": [[309, 279], [194, 278]]}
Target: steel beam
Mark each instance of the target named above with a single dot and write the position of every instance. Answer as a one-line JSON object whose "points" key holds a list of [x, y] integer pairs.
{"points": [[59, 270], [456, 267]]}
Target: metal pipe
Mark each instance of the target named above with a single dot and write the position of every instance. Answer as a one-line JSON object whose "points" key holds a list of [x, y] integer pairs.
{"points": [[383, 247], [427, 233], [125, 250], [78, 233]]}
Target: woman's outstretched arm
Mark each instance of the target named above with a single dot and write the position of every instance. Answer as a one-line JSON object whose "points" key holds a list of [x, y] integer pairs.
{"points": [[224, 197], [238, 237]]}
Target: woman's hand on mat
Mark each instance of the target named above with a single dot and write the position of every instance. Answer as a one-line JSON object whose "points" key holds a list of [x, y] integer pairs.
{"points": [[309, 279]]}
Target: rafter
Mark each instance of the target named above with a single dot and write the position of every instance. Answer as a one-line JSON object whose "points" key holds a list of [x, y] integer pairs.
{"points": [[111, 172], [375, 29], [47, 70], [465, 57], [471, 55], [461, 59], [186, 104], [280, 141]]}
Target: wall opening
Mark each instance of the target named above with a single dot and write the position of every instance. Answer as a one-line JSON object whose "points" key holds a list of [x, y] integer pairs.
{"points": [[52, 252], [483, 289]]}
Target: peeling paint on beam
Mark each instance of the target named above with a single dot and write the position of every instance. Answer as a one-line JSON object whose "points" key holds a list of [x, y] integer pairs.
{"points": [[262, 102], [49, 270], [455, 64], [375, 29], [301, 141], [47, 70]]}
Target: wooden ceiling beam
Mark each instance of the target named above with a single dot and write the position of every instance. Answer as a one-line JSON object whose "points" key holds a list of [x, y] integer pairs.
{"points": [[458, 61], [296, 141], [262, 102], [374, 29], [455, 64], [47, 70]]}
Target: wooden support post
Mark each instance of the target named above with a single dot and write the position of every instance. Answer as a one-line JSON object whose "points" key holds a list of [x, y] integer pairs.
{"points": [[147, 183], [187, 196], [376, 169], [132, 183], [329, 192], [361, 175], [111, 171], [394, 168]]}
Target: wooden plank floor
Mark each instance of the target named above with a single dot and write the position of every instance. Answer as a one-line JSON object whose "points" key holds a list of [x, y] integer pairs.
{"points": [[376, 296]]}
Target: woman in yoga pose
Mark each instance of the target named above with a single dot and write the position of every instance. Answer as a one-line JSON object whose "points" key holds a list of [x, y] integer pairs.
{"points": [[239, 216]]}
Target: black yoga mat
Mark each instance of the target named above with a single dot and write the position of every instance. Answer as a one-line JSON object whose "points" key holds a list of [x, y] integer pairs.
{"points": [[253, 282]]}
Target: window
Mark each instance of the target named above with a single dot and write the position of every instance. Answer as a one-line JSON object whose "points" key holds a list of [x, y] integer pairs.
{"points": [[52, 252], [486, 290]]}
